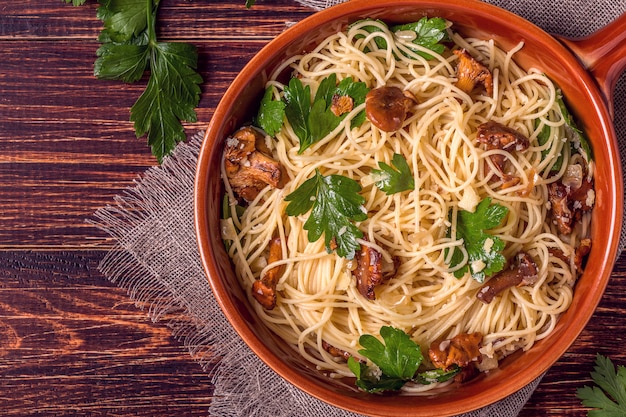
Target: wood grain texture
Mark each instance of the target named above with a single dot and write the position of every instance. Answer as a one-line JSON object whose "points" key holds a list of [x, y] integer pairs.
{"points": [[71, 343]]}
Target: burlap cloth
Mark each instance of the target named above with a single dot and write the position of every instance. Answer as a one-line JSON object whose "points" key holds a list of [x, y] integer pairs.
{"points": [[156, 258]]}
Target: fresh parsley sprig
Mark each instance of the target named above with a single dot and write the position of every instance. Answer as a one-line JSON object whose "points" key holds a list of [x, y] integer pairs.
{"points": [[472, 228], [430, 33], [398, 360], [129, 48], [271, 113], [313, 119], [335, 203], [391, 180], [576, 137], [610, 381]]}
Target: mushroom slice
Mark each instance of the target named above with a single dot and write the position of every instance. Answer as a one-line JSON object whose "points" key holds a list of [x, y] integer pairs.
{"points": [[581, 251], [559, 206], [248, 167], [371, 270], [567, 204], [470, 73], [498, 136], [335, 351], [264, 289], [387, 107], [462, 350], [523, 273], [341, 105]]}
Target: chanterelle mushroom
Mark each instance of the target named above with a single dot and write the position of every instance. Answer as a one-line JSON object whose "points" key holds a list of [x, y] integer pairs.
{"points": [[341, 105], [498, 136], [524, 272], [470, 73], [264, 289], [569, 202], [335, 351], [462, 350], [581, 251], [248, 167], [371, 270], [388, 107]]}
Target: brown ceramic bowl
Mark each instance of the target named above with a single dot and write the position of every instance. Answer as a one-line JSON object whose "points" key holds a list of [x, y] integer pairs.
{"points": [[585, 69]]}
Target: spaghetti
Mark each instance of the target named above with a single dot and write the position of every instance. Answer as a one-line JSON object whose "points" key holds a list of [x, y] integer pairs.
{"points": [[317, 301]]}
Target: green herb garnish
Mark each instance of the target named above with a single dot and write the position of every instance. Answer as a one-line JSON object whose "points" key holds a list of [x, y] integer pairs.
{"points": [[609, 382], [271, 113], [313, 120], [576, 137], [482, 248], [129, 47], [429, 34], [392, 180], [398, 360], [334, 202]]}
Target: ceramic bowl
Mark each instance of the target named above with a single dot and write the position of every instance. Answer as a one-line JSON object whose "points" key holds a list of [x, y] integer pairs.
{"points": [[585, 69]]}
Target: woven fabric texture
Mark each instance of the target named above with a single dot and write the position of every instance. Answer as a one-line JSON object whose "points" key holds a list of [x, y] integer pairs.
{"points": [[157, 261]]}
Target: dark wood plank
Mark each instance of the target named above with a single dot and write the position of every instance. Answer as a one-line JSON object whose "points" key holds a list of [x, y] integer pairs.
{"points": [[72, 343], [66, 143], [180, 19]]}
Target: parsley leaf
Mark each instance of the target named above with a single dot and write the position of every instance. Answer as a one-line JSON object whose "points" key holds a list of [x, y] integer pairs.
{"points": [[399, 357], [610, 382], [470, 227], [429, 34], [356, 90], [370, 383], [271, 113], [392, 180], [76, 2], [129, 47], [312, 120], [172, 93], [249, 3], [436, 375], [577, 138], [298, 106], [398, 360], [334, 202], [322, 121], [126, 19]]}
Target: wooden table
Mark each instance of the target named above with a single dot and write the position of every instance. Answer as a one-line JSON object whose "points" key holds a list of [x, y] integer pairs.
{"points": [[72, 343]]}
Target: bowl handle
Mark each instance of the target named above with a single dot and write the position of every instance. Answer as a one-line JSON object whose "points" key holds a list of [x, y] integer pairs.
{"points": [[603, 53]]}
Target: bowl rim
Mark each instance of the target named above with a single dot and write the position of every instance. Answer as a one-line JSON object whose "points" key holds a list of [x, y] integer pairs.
{"points": [[551, 353]]}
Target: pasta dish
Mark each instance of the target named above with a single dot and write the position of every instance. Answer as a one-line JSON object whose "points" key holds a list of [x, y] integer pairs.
{"points": [[409, 179]]}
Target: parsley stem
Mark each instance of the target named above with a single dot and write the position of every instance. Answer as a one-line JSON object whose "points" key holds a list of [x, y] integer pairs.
{"points": [[151, 11]]}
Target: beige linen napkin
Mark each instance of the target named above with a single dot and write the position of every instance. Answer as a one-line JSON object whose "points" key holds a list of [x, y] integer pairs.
{"points": [[156, 258]]}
